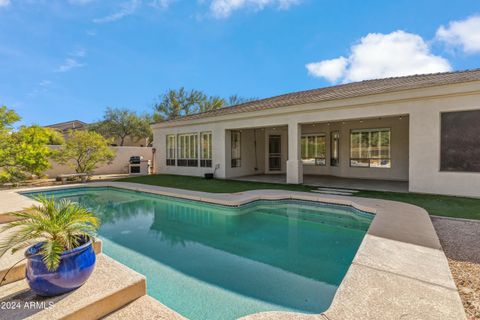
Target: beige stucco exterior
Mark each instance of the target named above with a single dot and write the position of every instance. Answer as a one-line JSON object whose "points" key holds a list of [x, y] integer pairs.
{"points": [[412, 115]]}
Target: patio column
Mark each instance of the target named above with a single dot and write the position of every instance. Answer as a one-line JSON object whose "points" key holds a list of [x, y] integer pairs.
{"points": [[294, 163], [219, 149]]}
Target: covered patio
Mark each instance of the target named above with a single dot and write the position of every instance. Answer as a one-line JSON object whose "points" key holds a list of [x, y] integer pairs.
{"points": [[326, 181]]}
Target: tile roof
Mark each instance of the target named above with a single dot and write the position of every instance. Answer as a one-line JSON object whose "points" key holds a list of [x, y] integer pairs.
{"points": [[68, 125], [344, 91]]}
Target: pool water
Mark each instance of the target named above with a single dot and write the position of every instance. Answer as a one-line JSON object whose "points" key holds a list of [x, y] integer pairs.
{"points": [[215, 262]]}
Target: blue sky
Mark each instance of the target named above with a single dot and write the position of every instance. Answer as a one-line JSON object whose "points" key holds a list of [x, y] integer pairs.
{"points": [[64, 60]]}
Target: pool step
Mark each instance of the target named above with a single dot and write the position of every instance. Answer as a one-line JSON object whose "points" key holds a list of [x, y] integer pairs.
{"points": [[145, 308], [18, 271], [110, 287]]}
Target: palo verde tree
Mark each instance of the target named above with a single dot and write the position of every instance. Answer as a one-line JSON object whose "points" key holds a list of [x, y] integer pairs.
{"points": [[118, 124], [23, 152], [84, 151], [177, 103]]}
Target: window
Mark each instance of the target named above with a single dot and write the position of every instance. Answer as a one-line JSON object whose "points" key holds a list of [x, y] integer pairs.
{"points": [[236, 142], [335, 148], [314, 149], [206, 149], [460, 143], [170, 150], [370, 148], [187, 152]]}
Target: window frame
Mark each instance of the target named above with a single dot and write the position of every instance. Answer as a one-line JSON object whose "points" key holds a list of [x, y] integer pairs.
{"points": [[371, 159], [169, 160], [317, 161], [236, 162], [335, 161], [206, 161], [184, 154]]}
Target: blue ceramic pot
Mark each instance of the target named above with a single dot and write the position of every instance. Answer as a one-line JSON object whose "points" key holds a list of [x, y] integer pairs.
{"points": [[75, 267]]}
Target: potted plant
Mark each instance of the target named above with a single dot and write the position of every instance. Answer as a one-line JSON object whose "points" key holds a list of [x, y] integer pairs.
{"points": [[59, 236]]}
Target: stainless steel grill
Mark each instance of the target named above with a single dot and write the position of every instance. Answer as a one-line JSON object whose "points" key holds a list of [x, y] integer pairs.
{"points": [[135, 159]]}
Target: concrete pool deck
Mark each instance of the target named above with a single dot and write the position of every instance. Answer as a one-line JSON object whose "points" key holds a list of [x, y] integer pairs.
{"points": [[399, 271]]}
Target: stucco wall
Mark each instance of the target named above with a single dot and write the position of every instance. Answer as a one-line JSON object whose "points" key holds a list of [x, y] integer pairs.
{"points": [[247, 149], [218, 150], [119, 164], [130, 142], [425, 174]]}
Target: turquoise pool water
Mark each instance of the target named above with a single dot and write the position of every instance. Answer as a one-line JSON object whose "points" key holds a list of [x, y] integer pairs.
{"points": [[214, 262]]}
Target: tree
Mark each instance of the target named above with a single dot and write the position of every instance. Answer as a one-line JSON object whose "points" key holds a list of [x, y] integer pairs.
{"points": [[235, 99], [211, 103], [7, 119], [84, 151], [23, 152], [121, 123], [177, 103], [56, 138]]}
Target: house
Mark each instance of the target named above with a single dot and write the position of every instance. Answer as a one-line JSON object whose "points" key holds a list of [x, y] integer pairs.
{"points": [[65, 127], [423, 130]]}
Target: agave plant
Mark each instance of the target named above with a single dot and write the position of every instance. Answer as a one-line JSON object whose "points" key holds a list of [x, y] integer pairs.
{"points": [[60, 226]]}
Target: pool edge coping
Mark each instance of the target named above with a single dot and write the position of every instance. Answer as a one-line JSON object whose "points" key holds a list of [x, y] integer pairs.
{"points": [[389, 257]]}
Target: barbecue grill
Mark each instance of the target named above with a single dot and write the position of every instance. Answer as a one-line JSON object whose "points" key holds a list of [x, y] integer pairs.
{"points": [[135, 159]]}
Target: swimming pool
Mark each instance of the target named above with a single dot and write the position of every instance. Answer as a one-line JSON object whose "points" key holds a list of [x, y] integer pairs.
{"points": [[209, 261]]}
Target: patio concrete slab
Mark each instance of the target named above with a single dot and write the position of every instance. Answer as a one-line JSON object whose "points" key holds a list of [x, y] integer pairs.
{"points": [[406, 260], [111, 286], [145, 308], [10, 202], [368, 293]]}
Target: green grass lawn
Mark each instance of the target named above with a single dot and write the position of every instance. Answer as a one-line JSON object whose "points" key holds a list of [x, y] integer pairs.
{"points": [[448, 206], [213, 186], [456, 207]]}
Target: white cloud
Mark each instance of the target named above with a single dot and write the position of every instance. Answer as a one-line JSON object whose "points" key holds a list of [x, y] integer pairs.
{"points": [[69, 64], [126, 9], [4, 3], [463, 33], [380, 55], [224, 8], [332, 69]]}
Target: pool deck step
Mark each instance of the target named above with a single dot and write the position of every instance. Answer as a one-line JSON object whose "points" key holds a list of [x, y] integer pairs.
{"points": [[18, 271], [338, 190], [110, 287], [337, 193], [145, 308]]}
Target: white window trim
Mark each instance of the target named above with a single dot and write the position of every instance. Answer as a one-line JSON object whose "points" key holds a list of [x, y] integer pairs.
{"points": [[210, 146], [174, 146], [187, 155]]}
